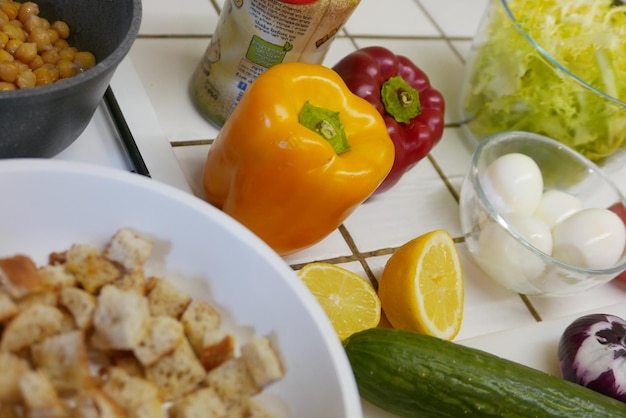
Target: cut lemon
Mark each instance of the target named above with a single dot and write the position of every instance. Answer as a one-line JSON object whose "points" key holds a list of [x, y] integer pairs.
{"points": [[422, 288], [348, 299]]}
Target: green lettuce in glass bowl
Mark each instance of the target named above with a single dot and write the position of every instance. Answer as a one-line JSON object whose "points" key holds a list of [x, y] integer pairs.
{"points": [[552, 67]]}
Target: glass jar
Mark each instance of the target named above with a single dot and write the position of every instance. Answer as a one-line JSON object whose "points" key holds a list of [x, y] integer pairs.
{"points": [[253, 35]]}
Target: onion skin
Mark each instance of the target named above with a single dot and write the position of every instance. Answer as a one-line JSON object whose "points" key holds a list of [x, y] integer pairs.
{"points": [[592, 353]]}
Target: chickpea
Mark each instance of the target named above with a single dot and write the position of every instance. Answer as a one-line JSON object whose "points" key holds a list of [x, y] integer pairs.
{"points": [[67, 68], [51, 56], [33, 51], [36, 62], [6, 55], [26, 79], [21, 66], [4, 38], [3, 18], [16, 23], [84, 60], [27, 10], [53, 35], [12, 46], [61, 44], [68, 53], [8, 71], [13, 31], [41, 37], [4, 86], [33, 22], [26, 52], [10, 8], [46, 74], [62, 29]]}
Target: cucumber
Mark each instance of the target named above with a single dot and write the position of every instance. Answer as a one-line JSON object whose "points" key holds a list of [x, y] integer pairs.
{"points": [[416, 375]]}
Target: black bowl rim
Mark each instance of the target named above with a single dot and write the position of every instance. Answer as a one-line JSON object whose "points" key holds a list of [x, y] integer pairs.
{"points": [[110, 62]]}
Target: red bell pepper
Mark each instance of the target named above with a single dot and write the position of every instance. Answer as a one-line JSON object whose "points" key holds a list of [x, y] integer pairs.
{"points": [[401, 92]]}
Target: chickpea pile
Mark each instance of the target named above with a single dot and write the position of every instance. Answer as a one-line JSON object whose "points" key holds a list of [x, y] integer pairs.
{"points": [[33, 51]]}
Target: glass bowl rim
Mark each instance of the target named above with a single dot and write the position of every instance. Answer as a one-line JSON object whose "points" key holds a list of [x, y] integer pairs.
{"points": [[546, 141], [547, 56]]}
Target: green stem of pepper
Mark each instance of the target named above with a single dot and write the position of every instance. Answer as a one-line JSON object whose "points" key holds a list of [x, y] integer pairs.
{"points": [[325, 123], [400, 99]]}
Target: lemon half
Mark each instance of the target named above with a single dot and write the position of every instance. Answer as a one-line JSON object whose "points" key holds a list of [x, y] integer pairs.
{"points": [[422, 287], [349, 300]]}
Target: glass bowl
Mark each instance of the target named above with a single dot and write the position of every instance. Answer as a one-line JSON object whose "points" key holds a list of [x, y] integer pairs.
{"points": [[534, 66], [500, 251]]}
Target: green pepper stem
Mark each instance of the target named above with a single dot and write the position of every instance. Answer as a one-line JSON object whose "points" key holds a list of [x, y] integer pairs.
{"points": [[326, 124], [401, 101]]}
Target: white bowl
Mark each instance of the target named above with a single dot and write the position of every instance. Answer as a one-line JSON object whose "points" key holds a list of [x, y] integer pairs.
{"points": [[48, 205]]}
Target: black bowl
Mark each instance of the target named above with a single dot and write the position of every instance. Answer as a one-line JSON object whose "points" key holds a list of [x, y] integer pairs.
{"points": [[45, 120]]}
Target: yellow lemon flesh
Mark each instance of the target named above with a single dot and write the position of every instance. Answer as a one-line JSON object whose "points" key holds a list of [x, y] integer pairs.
{"points": [[422, 288], [348, 299]]}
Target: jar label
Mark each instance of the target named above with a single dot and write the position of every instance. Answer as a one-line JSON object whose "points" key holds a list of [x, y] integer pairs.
{"points": [[252, 36]]}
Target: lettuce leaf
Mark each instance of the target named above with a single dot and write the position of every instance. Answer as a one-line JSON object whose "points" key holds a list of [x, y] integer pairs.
{"points": [[511, 85]]}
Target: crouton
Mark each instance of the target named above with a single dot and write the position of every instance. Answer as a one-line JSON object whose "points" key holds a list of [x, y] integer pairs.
{"points": [[257, 409], [56, 277], [37, 298], [94, 403], [239, 409], [80, 304], [127, 361], [232, 381], [63, 358], [92, 271], [121, 319], [31, 326], [12, 368], [40, 398], [137, 397], [199, 319], [67, 324], [18, 276], [8, 308], [134, 281], [128, 249], [203, 403], [165, 299], [164, 336], [10, 410], [217, 347], [178, 373], [262, 361]]}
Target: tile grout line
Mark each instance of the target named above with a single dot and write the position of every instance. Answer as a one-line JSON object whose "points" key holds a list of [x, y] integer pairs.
{"points": [[359, 256], [444, 37]]}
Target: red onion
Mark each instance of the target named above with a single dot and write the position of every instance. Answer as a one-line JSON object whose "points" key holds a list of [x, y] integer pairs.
{"points": [[592, 353]]}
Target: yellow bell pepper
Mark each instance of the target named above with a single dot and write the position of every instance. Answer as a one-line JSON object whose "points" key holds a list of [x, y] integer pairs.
{"points": [[297, 156]]}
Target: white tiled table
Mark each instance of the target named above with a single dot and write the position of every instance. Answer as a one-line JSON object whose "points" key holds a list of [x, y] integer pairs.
{"points": [[436, 35]]}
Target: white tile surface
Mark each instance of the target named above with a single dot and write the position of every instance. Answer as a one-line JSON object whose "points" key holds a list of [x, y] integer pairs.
{"points": [[436, 35], [95, 146], [188, 17], [456, 18], [166, 66], [418, 203], [376, 18]]}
